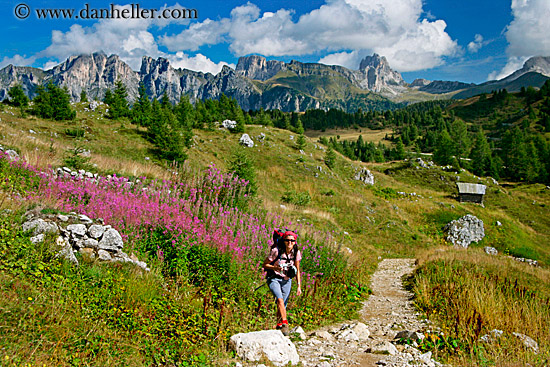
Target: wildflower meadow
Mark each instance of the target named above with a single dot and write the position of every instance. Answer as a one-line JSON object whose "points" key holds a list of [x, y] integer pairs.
{"points": [[193, 235]]}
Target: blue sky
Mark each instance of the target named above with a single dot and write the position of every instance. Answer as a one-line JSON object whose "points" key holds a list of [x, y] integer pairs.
{"points": [[466, 40]]}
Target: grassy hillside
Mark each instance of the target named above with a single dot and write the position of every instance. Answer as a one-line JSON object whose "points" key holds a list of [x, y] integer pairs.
{"points": [[401, 215]]}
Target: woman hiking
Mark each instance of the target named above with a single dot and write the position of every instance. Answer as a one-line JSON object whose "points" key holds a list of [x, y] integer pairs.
{"points": [[282, 264]]}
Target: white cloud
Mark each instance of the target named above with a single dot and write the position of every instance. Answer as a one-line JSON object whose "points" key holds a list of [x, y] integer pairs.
{"points": [[393, 28], [527, 34], [198, 62], [345, 28], [350, 60], [513, 64], [17, 60], [476, 44]]}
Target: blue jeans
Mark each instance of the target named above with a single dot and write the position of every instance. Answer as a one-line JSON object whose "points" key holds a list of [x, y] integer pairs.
{"points": [[280, 288]]}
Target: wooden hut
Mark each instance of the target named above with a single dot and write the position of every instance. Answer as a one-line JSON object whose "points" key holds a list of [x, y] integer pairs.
{"points": [[469, 192]]}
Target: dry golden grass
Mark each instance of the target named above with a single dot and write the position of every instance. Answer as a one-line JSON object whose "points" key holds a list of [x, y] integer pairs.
{"points": [[352, 134]]}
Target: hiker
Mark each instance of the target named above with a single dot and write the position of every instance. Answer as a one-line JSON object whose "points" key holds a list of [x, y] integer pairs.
{"points": [[281, 268]]}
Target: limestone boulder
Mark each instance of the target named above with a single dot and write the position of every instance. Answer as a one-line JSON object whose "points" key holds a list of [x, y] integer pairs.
{"points": [[270, 344], [464, 231], [365, 176]]}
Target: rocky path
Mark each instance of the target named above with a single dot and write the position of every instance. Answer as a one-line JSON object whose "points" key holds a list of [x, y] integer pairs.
{"points": [[371, 341]]}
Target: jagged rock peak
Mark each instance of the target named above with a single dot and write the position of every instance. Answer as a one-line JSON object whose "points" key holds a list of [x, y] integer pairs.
{"points": [[420, 83], [537, 64], [148, 64], [374, 61], [378, 76], [257, 67]]}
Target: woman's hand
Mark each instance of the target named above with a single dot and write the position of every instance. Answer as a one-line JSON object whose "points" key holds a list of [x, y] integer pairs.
{"points": [[299, 290]]}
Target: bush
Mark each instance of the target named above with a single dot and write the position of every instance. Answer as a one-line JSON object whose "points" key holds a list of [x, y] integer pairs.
{"points": [[296, 198], [74, 159]]}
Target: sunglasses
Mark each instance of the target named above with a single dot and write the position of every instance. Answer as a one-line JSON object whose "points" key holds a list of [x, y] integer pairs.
{"points": [[289, 240]]}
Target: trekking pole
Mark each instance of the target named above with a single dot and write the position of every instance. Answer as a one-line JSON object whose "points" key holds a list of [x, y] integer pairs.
{"points": [[260, 286]]}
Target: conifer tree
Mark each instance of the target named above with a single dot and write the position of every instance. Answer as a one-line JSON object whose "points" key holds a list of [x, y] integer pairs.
{"points": [[330, 158], [54, 103], [141, 111], [108, 98], [443, 153], [118, 107], [399, 149], [301, 142], [481, 155], [83, 96], [17, 95]]}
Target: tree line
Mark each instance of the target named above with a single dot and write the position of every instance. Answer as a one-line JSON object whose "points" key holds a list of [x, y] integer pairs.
{"points": [[507, 144]]}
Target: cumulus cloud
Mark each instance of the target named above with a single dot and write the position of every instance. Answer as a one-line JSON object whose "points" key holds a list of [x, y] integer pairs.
{"points": [[476, 44], [350, 60], [17, 60], [347, 29], [527, 34], [392, 28], [197, 62]]}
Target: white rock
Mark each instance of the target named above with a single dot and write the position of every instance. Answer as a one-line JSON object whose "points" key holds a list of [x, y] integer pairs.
{"points": [[490, 250], [96, 231], [527, 342], [384, 347], [38, 238], [78, 230], [269, 343], [246, 141], [104, 255]]}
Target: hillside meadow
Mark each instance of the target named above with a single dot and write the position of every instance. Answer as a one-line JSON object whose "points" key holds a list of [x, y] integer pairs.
{"points": [[200, 291]]}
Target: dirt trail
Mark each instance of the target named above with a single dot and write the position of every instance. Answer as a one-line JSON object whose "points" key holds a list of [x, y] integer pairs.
{"points": [[387, 311]]}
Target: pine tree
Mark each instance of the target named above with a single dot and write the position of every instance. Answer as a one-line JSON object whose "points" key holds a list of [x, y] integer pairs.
{"points": [[301, 142], [242, 165], [461, 139], [83, 96], [443, 153], [399, 149], [108, 98], [17, 95], [141, 111], [330, 158], [54, 103], [163, 133], [118, 107], [481, 155]]}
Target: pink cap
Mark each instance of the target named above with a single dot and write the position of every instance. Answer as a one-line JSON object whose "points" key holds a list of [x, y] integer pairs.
{"points": [[290, 233]]}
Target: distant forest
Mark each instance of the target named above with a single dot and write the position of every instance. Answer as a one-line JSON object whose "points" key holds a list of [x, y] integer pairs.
{"points": [[504, 134]]}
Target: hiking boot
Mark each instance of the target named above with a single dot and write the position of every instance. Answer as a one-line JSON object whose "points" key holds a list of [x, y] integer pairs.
{"points": [[285, 330], [279, 326]]}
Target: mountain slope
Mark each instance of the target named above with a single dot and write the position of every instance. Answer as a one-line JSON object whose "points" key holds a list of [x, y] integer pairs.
{"points": [[528, 79]]}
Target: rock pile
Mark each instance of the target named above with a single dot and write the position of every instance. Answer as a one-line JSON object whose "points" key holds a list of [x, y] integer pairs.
{"points": [[78, 233], [464, 231]]}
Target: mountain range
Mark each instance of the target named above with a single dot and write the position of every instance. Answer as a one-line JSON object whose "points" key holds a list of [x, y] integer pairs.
{"points": [[260, 83]]}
